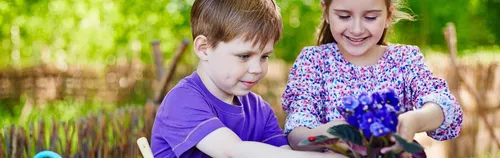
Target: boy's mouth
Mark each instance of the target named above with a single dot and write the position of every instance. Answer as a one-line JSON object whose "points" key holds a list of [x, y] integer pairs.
{"points": [[248, 84]]}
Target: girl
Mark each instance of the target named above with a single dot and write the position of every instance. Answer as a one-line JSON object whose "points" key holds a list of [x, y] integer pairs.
{"points": [[352, 57]]}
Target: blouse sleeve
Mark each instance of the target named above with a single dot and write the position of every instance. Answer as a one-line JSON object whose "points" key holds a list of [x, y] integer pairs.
{"points": [[422, 87], [302, 96]]}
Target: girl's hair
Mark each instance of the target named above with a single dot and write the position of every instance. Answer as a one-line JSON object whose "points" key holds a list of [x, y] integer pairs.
{"points": [[325, 34]]}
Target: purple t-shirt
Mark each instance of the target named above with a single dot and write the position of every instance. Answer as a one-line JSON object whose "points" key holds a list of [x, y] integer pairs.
{"points": [[190, 112]]}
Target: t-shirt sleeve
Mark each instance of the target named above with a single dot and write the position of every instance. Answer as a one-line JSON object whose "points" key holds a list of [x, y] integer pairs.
{"points": [[273, 134], [185, 119]]}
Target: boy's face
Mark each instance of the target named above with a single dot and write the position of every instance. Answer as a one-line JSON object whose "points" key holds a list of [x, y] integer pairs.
{"points": [[236, 66]]}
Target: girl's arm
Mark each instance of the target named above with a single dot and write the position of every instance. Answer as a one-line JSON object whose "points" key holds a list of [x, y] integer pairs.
{"points": [[303, 98], [429, 117], [424, 92], [301, 133]]}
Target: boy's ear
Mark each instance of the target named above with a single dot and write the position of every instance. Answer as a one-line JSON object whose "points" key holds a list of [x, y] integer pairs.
{"points": [[201, 46]]}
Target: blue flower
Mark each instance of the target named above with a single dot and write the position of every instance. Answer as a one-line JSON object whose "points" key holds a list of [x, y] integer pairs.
{"points": [[367, 133], [390, 98], [366, 102], [388, 119], [378, 129], [364, 99], [377, 99], [353, 121], [350, 103], [352, 106], [366, 120]]}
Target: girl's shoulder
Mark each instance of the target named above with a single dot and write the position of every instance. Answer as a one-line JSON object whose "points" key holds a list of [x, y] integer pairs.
{"points": [[405, 54], [321, 48], [317, 52], [403, 48], [404, 51]]}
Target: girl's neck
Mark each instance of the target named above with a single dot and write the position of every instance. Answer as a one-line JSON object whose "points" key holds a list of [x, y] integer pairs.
{"points": [[369, 58]]}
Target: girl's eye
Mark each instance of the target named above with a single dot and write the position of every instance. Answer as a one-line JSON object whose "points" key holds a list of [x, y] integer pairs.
{"points": [[370, 18], [344, 17]]}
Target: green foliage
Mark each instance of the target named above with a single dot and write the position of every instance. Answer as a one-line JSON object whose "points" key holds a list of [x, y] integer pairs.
{"points": [[89, 31], [62, 110], [407, 146], [319, 140], [470, 17], [99, 32], [347, 133]]}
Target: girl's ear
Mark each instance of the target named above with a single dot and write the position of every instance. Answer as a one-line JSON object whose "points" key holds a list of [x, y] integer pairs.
{"points": [[325, 11], [390, 14], [201, 47]]}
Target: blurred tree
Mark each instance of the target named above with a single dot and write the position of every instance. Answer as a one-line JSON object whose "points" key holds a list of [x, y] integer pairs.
{"points": [[101, 31]]}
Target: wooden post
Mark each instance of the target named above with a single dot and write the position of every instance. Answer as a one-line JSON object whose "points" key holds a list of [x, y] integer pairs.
{"points": [[172, 66], [450, 35], [453, 83], [158, 58]]}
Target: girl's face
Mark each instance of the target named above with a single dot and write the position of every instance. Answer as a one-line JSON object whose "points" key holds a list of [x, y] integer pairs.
{"points": [[356, 25]]}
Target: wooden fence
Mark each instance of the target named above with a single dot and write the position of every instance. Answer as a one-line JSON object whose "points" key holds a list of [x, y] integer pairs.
{"points": [[96, 136]]}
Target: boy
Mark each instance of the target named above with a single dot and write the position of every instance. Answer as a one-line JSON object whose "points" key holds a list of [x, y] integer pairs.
{"points": [[212, 112]]}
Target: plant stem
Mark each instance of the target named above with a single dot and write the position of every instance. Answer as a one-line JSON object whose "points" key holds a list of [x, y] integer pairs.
{"points": [[336, 147]]}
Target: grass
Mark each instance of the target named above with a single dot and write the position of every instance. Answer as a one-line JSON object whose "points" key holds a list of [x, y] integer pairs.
{"points": [[61, 110]]}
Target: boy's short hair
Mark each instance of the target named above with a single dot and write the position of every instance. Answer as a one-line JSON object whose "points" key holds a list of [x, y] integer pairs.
{"points": [[223, 20]]}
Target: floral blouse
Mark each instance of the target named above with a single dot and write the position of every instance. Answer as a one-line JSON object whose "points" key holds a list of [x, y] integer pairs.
{"points": [[320, 77]]}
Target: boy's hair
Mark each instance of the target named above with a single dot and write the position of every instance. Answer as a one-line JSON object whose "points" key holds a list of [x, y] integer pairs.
{"points": [[325, 34], [223, 20]]}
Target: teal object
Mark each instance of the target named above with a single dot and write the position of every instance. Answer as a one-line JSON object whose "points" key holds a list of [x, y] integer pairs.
{"points": [[47, 154]]}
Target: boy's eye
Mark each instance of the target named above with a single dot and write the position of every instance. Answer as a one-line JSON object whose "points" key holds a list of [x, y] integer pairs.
{"points": [[243, 56], [344, 17], [265, 57], [371, 18]]}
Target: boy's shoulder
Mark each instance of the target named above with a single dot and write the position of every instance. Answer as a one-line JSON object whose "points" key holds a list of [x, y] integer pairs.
{"points": [[186, 84], [186, 92], [192, 87]]}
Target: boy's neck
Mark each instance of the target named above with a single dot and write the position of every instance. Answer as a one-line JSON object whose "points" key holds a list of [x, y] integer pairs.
{"points": [[216, 91]]}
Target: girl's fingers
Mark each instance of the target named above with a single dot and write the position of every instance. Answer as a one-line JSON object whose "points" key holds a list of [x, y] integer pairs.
{"points": [[388, 149]]}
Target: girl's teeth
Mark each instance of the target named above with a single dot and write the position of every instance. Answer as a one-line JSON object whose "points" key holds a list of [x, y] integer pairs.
{"points": [[356, 40]]}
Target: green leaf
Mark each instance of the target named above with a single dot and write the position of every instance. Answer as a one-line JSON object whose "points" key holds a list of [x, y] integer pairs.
{"points": [[390, 155], [408, 147], [347, 133], [320, 140]]}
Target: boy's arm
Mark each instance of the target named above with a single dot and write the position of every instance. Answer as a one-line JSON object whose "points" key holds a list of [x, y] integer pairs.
{"points": [[225, 143]]}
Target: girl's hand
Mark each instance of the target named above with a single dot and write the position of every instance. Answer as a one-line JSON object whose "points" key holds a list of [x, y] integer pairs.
{"points": [[427, 118], [407, 128]]}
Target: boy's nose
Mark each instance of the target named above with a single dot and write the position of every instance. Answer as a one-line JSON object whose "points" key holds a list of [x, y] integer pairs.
{"points": [[255, 68]]}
